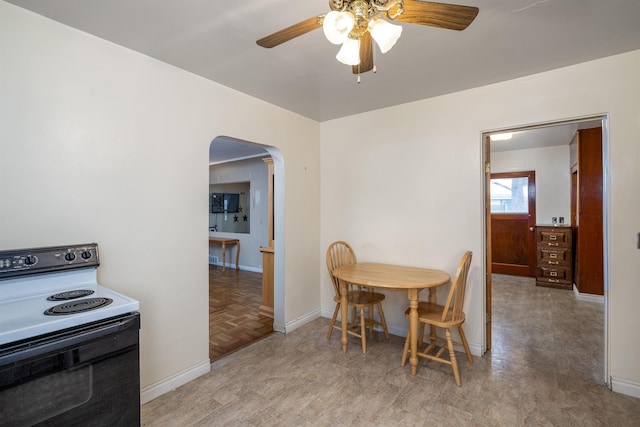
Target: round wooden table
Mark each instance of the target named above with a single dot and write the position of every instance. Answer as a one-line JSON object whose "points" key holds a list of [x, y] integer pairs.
{"points": [[376, 275]]}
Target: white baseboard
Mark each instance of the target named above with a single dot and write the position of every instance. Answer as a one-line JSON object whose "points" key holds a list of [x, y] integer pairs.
{"points": [[587, 297], [627, 387], [241, 267], [246, 268], [300, 321], [149, 393]]}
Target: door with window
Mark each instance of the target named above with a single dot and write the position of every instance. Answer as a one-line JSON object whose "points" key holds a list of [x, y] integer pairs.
{"points": [[513, 220]]}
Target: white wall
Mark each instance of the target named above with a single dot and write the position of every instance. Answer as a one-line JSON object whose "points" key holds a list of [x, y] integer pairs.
{"points": [[553, 177], [427, 155], [100, 143], [256, 172]]}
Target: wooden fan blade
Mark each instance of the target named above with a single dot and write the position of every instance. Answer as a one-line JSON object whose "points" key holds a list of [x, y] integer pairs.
{"points": [[289, 33], [366, 55], [449, 16]]}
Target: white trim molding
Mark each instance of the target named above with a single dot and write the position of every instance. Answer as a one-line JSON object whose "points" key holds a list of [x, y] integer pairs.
{"points": [[300, 321], [580, 296], [149, 393], [622, 386]]}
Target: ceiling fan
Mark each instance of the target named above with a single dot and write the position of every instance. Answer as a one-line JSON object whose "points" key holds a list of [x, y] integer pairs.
{"points": [[355, 24]]}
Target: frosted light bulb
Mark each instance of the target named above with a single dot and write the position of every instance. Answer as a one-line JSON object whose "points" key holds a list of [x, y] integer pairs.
{"points": [[338, 25], [350, 52], [384, 33]]}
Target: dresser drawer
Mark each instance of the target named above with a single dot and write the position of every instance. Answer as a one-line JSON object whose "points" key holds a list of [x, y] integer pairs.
{"points": [[554, 274], [547, 256], [553, 237]]}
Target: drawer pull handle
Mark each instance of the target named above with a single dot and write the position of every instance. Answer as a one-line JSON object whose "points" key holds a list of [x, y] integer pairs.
{"points": [[552, 237], [554, 262], [552, 244], [553, 255], [554, 281], [553, 274]]}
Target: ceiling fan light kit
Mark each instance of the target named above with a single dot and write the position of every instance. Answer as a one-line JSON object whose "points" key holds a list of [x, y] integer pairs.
{"points": [[384, 33], [337, 26], [349, 53], [357, 23]]}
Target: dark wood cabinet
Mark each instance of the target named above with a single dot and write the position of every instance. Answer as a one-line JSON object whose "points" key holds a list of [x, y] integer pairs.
{"points": [[554, 256], [586, 210]]}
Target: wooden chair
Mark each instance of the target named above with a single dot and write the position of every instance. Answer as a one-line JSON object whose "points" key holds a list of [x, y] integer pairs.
{"points": [[446, 317], [340, 253]]}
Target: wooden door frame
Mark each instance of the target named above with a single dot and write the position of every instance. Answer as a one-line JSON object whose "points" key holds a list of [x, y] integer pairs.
{"points": [[488, 309]]}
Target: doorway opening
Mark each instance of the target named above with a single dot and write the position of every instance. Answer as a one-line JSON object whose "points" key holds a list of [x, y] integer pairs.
{"points": [[246, 203], [549, 149]]}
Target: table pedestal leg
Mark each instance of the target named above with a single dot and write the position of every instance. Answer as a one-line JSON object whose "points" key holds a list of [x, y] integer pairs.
{"points": [[413, 329], [344, 309], [224, 265], [237, 254]]}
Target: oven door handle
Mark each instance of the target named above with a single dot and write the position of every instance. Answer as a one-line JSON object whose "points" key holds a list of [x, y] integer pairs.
{"points": [[124, 331]]}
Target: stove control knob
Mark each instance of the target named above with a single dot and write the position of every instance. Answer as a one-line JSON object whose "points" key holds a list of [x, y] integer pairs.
{"points": [[69, 256], [30, 259], [85, 254]]}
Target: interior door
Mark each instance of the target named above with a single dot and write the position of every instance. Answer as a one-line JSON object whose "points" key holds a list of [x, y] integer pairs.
{"points": [[513, 219]]}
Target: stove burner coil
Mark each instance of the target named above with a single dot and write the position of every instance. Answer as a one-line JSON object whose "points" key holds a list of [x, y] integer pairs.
{"points": [[76, 293], [78, 306]]}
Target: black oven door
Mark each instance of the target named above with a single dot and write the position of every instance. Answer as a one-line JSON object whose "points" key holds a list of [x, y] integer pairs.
{"points": [[83, 376]]}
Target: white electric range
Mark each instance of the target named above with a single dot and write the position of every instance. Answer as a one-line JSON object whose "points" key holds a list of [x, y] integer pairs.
{"points": [[34, 281], [69, 346]]}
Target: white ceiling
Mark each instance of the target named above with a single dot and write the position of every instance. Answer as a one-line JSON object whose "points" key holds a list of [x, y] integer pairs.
{"points": [[544, 136], [224, 149], [216, 40]]}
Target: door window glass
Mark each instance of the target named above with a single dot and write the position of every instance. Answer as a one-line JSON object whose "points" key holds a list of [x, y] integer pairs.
{"points": [[509, 195]]}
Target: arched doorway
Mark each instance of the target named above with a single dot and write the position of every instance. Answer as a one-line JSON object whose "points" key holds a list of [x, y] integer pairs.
{"points": [[245, 197]]}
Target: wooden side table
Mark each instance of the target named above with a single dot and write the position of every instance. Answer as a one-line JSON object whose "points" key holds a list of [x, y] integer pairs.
{"points": [[223, 241]]}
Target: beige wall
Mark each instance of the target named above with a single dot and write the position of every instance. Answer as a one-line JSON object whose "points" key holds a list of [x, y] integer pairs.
{"points": [[100, 143], [404, 185]]}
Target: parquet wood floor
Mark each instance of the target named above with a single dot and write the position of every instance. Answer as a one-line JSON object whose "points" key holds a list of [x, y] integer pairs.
{"points": [[234, 321]]}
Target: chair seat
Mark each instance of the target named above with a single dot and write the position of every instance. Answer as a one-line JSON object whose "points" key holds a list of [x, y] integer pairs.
{"points": [[362, 298], [431, 313]]}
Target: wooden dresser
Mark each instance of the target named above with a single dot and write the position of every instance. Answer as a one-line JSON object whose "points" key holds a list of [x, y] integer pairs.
{"points": [[554, 252]]}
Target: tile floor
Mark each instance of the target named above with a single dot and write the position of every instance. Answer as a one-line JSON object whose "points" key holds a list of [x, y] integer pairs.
{"points": [[545, 370]]}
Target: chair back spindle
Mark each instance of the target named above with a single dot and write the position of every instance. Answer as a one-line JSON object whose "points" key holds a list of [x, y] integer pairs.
{"points": [[458, 289], [338, 254]]}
